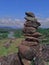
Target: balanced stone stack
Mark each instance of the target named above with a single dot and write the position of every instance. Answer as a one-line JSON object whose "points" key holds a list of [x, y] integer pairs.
{"points": [[30, 29], [30, 47]]}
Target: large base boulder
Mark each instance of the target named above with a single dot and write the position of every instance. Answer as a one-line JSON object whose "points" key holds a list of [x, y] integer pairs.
{"points": [[26, 52]]}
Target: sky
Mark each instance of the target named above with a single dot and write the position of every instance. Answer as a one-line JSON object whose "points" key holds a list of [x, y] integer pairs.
{"points": [[17, 8]]}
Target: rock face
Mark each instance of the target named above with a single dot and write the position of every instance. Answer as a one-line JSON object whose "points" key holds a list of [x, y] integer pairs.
{"points": [[12, 59], [45, 52]]}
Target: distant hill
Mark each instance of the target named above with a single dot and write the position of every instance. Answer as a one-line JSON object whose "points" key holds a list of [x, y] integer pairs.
{"points": [[6, 28]]}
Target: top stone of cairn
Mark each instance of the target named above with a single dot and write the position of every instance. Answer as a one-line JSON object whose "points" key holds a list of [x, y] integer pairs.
{"points": [[30, 14], [30, 17]]}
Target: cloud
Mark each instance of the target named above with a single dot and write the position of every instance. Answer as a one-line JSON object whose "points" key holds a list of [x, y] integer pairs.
{"points": [[44, 22], [20, 23], [11, 22]]}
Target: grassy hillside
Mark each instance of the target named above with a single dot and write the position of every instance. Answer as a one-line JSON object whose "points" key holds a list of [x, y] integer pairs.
{"points": [[18, 34], [12, 47], [14, 43]]}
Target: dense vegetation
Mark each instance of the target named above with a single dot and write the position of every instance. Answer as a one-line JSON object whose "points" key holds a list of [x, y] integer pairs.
{"points": [[45, 35], [44, 31], [18, 33], [3, 34]]}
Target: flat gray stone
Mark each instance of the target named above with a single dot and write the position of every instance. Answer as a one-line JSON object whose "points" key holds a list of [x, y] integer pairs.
{"points": [[32, 24], [30, 14], [30, 18], [29, 30]]}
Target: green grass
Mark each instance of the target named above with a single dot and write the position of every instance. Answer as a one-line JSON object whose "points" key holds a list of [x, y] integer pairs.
{"points": [[12, 49]]}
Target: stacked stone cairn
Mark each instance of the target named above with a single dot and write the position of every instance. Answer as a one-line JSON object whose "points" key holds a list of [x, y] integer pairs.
{"points": [[30, 48]]}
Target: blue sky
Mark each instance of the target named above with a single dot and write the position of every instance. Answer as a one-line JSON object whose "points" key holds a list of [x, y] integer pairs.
{"points": [[12, 12], [17, 8]]}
